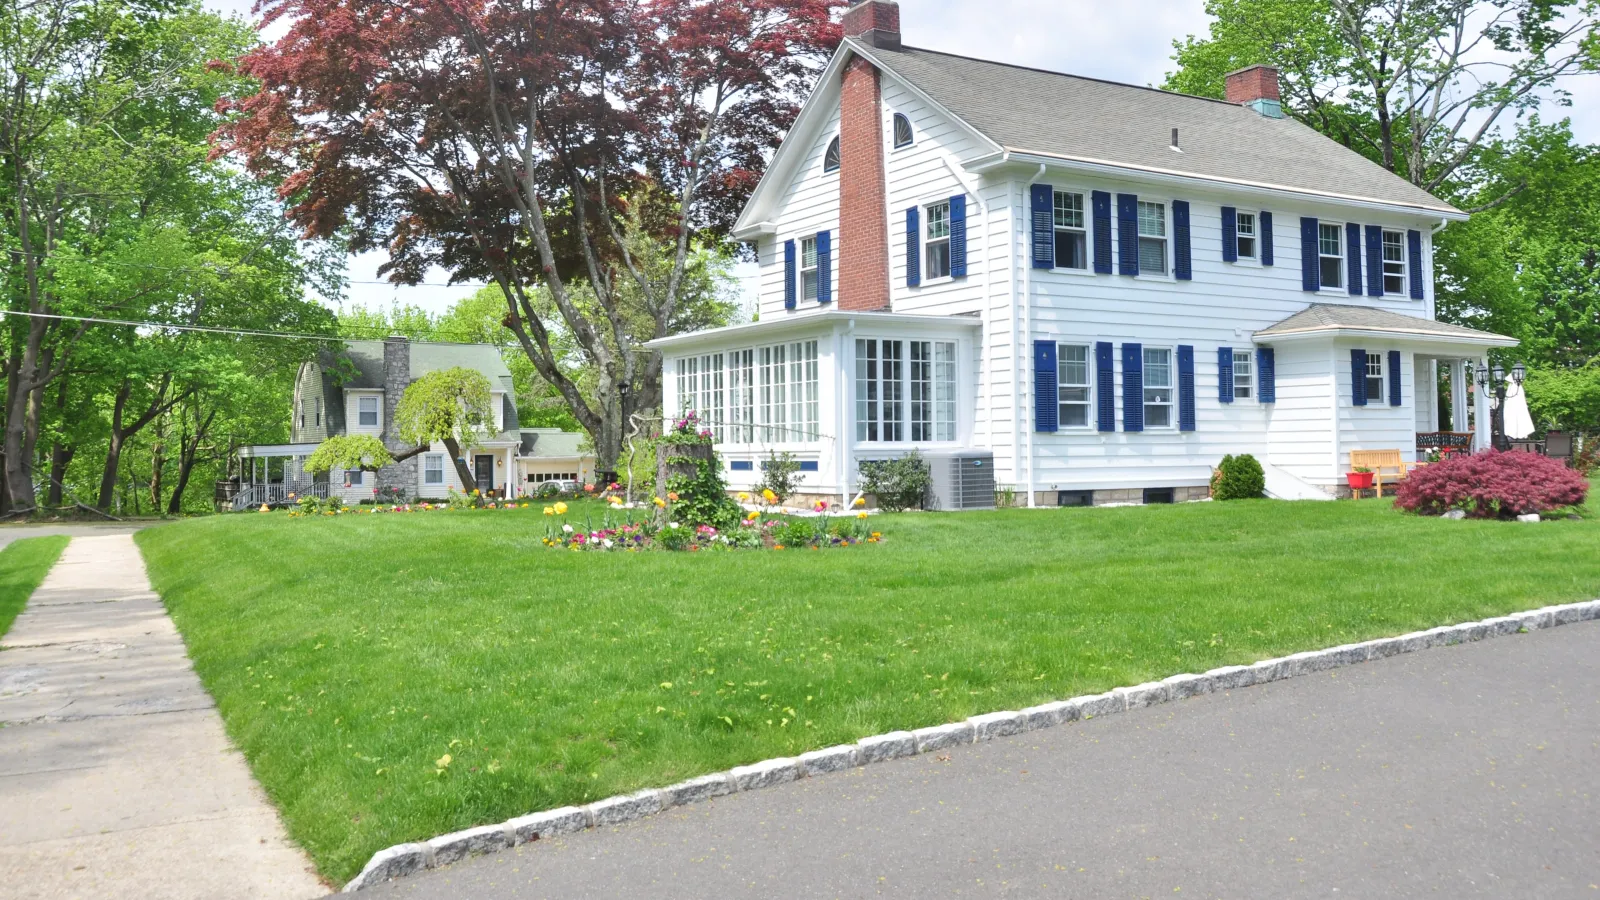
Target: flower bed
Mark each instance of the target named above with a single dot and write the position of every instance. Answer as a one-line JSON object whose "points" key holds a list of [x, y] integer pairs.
{"points": [[622, 529]]}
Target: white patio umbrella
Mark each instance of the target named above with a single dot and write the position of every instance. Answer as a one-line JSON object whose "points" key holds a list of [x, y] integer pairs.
{"points": [[1519, 423]]}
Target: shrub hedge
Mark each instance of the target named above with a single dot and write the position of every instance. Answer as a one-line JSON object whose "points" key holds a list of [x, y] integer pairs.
{"points": [[1492, 485]]}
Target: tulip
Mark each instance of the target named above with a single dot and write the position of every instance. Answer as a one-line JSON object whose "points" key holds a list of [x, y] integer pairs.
{"points": [[549, 510], [660, 503], [860, 502], [861, 515], [561, 509]]}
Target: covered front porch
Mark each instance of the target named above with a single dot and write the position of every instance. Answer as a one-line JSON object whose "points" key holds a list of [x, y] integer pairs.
{"points": [[274, 475]]}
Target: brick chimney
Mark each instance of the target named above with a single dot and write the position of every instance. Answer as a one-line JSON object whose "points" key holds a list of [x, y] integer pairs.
{"points": [[863, 189], [1257, 88], [875, 23]]}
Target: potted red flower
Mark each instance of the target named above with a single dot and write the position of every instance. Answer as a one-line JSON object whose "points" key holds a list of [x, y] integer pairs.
{"points": [[1359, 479]]}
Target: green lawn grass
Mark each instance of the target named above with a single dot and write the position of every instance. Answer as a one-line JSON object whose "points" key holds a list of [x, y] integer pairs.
{"points": [[23, 565], [349, 655]]}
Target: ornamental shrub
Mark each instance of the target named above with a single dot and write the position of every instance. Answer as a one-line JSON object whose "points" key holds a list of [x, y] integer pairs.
{"points": [[898, 484], [780, 474], [1238, 478], [1492, 485], [796, 533]]}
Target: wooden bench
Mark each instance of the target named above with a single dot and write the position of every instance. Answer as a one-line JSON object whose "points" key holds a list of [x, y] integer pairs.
{"points": [[1378, 461]]}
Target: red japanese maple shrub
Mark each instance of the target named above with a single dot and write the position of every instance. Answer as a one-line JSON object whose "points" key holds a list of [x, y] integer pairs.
{"points": [[1492, 485]]}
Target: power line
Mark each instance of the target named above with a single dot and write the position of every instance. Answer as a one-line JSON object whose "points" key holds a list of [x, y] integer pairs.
{"points": [[212, 329]]}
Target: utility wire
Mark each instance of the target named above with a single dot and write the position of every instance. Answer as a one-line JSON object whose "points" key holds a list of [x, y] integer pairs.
{"points": [[213, 329]]}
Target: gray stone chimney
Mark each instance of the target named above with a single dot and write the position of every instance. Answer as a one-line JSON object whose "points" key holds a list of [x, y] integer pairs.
{"points": [[396, 378]]}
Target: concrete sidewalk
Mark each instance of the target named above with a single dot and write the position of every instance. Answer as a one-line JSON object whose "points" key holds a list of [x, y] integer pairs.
{"points": [[116, 778]]}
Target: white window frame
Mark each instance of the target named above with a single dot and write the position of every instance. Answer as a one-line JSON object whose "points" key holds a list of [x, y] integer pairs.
{"points": [[361, 412], [1171, 387], [1244, 375], [354, 477], [1403, 262], [894, 137], [805, 392], [928, 242], [930, 390], [1085, 208], [433, 463], [1322, 256], [1087, 385], [1165, 238], [1376, 371], [827, 168], [741, 397], [886, 406], [810, 286], [1240, 235]]}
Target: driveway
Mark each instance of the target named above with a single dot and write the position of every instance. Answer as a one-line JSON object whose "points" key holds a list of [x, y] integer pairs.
{"points": [[1466, 771]]}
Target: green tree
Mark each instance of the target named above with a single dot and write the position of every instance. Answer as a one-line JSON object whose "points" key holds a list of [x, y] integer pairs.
{"points": [[349, 452], [448, 406]]}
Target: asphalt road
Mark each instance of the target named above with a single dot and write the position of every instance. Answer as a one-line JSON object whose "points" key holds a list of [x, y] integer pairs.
{"points": [[1469, 771]]}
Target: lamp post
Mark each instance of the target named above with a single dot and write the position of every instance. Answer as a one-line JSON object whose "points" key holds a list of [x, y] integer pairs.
{"points": [[1493, 378]]}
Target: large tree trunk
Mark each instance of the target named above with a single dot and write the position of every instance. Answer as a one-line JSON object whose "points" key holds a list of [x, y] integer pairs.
{"points": [[60, 458], [463, 471], [188, 453], [120, 434]]}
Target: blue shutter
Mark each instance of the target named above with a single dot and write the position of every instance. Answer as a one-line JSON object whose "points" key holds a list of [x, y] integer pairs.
{"points": [[788, 274], [1230, 234], [1374, 260], [1185, 387], [1045, 408], [1310, 277], [1044, 226], [1352, 257], [824, 267], [1358, 377], [1105, 387], [1414, 251], [1182, 266], [913, 247], [1127, 234], [1225, 374], [1101, 201], [1132, 387], [1394, 378], [958, 236], [1266, 375], [1264, 223]]}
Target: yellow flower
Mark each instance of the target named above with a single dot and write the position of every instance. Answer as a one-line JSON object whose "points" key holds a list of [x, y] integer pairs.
{"points": [[661, 503], [265, 508], [769, 496], [860, 502], [753, 516], [744, 496], [561, 509], [861, 515], [474, 492], [615, 500], [549, 510]]}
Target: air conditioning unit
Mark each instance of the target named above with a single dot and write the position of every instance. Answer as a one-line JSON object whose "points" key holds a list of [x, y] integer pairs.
{"points": [[962, 479]]}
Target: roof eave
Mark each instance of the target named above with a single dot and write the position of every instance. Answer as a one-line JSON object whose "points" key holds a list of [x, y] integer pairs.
{"points": [[803, 321], [1150, 173], [1482, 339]]}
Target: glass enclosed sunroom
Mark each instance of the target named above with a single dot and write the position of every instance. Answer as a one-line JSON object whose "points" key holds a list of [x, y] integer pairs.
{"points": [[832, 387]]}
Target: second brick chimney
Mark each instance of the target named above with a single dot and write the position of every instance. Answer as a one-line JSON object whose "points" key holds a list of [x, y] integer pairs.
{"points": [[863, 189], [1257, 88]]}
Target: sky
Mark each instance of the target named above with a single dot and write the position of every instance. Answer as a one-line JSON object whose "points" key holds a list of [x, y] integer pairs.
{"points": [[1129, 41]]}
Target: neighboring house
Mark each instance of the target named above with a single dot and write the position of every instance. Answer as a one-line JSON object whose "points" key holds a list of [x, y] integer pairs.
{"points": [[356, 390], [1108, 287]]}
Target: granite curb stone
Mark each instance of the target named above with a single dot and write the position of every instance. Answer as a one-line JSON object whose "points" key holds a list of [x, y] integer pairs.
{"points": [[407, 859]]}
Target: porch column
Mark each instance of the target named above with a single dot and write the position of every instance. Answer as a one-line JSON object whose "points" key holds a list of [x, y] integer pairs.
{"points": [[1485, 438], [1458, 395]]}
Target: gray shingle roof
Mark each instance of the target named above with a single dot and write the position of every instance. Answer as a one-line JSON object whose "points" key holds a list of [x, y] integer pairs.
{"points": [[552, 443], [1335, 316], [367, 357], [1051, 114]]}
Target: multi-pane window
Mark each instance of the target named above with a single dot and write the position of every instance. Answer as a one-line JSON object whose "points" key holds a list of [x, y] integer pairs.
{"points": [[1245, 229], [890, 393], [1157, 387], [741, 397], [353, 477], [831, 159], [1374, 377], [933, 389], [1072, 239], [804, 417], [688, 384], [433, 468], [1330, 252], [808, 268], [936, 246], [317, 405], [1243, 375], [775, 394], [1072, 378], [1152, 238], [367, 411], [1394, 262], [711, 407]]}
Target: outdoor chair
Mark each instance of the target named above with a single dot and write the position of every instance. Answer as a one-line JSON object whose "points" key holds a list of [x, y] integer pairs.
{"points": [[1558, 445], [1378, 461]]}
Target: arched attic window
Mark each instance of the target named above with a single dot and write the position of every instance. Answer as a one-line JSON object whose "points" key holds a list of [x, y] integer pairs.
{"points": [[830, 160], [902, 131]]}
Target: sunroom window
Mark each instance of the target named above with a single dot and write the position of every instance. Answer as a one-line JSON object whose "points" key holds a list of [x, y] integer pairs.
{"points": [[890, 393]]}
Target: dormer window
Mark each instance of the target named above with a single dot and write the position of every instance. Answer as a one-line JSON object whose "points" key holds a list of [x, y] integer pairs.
{"points": [[902, 131], [830, 160]]}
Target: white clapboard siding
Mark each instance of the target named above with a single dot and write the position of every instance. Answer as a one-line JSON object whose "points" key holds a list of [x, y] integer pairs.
{"points": [[809, 205]]}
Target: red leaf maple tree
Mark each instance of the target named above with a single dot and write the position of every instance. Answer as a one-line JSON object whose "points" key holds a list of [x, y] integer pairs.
{"points": [[537, 144]]}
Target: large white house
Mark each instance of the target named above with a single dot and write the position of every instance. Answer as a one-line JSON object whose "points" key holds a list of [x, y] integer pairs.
{"points": [[1108, 287]]}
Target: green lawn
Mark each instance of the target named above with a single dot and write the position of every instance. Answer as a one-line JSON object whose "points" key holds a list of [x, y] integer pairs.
{"points": [[23, 565], [349, 655]]}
